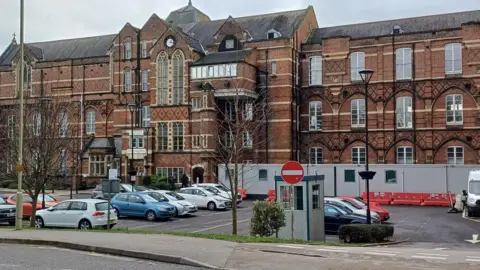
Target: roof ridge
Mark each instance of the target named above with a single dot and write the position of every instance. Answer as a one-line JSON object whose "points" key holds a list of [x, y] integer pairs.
{"points": [[400, 19], [66, 39], [258, 15]]}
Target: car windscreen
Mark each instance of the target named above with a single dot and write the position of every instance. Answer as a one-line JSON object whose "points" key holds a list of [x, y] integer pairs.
{"points": [[360, 202], [149, 199], [157, 196], [209, 193], [211, 189], [174, 195], [140, 188], [222, 188], [102, 206], [339, 209], [352, 204], [474, 187]]}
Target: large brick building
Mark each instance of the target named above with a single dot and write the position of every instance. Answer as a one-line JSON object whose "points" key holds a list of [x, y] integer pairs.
{"points": [[179, 69]]}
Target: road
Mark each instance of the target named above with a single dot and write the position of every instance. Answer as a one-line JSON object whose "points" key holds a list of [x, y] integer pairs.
{"points": [[38, 257]]}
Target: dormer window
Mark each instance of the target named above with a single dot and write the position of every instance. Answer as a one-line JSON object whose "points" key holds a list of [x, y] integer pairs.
{"points": [[273, 34], [229, 44]]}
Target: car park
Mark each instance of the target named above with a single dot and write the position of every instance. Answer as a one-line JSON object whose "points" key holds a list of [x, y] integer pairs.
{"points": [[205, 199], [219, 190], [140, 204], [28, 202], [356, 209], [375, 207], [83, 214], [182, 206], [7, 212]]}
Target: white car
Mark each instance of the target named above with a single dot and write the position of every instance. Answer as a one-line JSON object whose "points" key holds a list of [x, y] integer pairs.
{"points": [[205, 199], [182, 206], [83, 214], [219, 190], [355, 209]]}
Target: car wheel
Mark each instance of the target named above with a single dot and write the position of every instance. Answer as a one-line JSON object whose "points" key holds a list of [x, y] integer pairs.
{"points": [[150, 216], [211, 206], [347, 239], [84, 225], [39, 223]]}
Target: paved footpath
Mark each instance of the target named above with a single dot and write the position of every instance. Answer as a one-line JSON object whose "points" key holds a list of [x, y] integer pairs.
{"points": [[218, 254]]}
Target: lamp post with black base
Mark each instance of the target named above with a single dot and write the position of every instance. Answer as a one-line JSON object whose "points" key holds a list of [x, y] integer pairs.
{"points": [[367, 175], [131, 170]]}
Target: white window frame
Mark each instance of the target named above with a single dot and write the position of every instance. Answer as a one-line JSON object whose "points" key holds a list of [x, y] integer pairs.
{"points": [[144, 49], [90, 122], [248, 111], [127, 52], [27, 77], [357, 155], [145, 78], [453, 57], [197, 103], [162, 79], [404, 112], [228, 139], [101, 161], [454, 110], [63, 132], [175, 172], [403, 153], [315, 115], [11, 126], [316, 154], [274, 68], [178, 136], [162, 136], [37, 123], [356, 122], [63, 160], [403, 62], [357, 63], [247, 140], [456, 159], [127, 80], [137, 142], [146, 116], [315, 70], [178, 61]]}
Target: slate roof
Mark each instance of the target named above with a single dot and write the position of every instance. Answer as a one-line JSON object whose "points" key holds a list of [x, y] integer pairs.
{"points": [[407, 25], [257, 26], [187, 14], [222, 57], [76, 48]]}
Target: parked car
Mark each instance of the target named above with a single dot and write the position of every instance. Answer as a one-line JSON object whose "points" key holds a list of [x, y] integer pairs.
{"points": [[219, 190], [140, 204], [205, 199], [7, 212], [349, 210], [382, 212], [336, 217], [97, 193], [28, 202], [356, 209], [83, 214], [182, 206], [473, 193]]}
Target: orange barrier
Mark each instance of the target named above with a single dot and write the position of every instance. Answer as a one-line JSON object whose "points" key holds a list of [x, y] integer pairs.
{"points": [[378, 197], [407, 198], [437, 199], [242, 193], [271, 196]]}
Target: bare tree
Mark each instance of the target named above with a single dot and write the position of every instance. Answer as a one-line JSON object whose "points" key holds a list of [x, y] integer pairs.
{"points": [[240, 128], [46, 144]]}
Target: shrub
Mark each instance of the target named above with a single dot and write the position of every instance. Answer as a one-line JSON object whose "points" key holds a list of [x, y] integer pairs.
{"points": [[159, 182], [365, 233], [267, 218]]}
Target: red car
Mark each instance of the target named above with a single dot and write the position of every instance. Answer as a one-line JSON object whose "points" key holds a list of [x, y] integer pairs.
{"points": [[27, 202], [382, 212]]}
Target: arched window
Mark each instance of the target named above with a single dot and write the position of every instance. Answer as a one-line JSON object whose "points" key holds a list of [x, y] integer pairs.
{"points": [[162, 79], [178, 70]]}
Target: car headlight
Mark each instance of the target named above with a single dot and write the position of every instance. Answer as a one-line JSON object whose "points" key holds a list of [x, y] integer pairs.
{"points": [[161, 209], [471, 200]]}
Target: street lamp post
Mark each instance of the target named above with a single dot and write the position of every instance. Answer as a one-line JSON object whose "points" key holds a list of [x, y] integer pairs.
{"points": [[132, 171], [367, 175], [147, 165]]}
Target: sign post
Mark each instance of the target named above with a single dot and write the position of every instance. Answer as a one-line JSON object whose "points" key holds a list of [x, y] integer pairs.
{"points": [[292, 173]]}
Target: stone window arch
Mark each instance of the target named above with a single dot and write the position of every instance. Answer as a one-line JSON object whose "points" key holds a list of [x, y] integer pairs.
{"points": [[162, 78]]}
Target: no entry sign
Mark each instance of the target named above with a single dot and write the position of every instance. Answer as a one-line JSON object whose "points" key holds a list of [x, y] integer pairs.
{"points": [[292, 172]]}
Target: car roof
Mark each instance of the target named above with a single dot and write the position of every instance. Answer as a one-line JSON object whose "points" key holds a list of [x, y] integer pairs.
{"points": [[86, 200]]}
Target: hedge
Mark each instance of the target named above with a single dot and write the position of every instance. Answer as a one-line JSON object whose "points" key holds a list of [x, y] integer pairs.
{"points": [[365, 233]]}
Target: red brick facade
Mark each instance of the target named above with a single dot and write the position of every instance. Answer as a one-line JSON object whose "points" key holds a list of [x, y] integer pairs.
{"points": [[160, 78]]}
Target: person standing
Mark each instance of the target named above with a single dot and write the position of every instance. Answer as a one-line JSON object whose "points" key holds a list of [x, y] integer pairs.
{"points": [[184, 180]]}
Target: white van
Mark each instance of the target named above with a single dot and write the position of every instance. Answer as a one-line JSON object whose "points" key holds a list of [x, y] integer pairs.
{"points": [[473, 192]]}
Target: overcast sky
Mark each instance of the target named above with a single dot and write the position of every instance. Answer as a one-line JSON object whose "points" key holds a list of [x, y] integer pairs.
{"points": [[58, 19]]}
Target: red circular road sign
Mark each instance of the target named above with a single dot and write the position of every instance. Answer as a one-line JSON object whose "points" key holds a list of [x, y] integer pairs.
{"points": [[292, 172]]}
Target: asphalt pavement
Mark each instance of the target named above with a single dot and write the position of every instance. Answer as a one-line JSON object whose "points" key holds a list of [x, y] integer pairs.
{"points": [[40, 257]]}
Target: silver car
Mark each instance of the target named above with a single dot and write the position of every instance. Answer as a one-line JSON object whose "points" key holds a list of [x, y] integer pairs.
{"points": [[182, 206]]}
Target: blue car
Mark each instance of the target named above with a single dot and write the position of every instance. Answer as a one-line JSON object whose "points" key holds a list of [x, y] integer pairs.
{"points": [[137, 204]]}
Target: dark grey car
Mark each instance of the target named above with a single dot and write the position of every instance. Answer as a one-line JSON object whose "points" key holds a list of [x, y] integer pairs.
{"points": [[7, 212]]}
